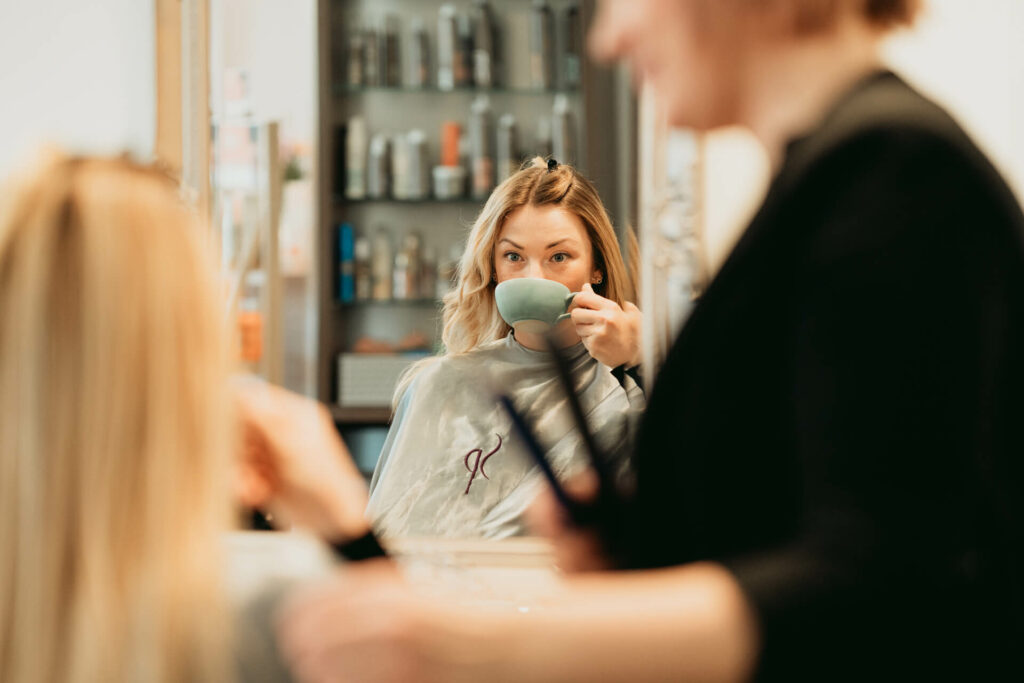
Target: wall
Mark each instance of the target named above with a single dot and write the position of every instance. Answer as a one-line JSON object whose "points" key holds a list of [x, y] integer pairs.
{"points": [[966, 55], [81, 74]]}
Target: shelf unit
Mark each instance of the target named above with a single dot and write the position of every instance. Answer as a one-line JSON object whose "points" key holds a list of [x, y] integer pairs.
{"points": [[604, 111]]}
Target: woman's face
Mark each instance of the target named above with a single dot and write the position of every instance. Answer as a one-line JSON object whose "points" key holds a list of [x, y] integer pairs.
{"points": [[687, 50], [546, 242]]}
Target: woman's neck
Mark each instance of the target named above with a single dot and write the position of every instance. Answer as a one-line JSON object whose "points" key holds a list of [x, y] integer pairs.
{"points": [[565, 336], [791, 86]]}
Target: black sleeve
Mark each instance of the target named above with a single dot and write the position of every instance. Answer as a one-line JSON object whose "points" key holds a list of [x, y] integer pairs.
{"points": [[898, 348]]}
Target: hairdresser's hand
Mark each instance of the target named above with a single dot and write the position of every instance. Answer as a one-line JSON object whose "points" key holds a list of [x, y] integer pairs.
{"points": [[368, 625], [611, 333], [575, 549], [295, 464]]}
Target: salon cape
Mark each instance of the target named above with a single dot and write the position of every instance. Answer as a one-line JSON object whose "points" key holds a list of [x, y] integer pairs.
{"points": [[452, 466]]}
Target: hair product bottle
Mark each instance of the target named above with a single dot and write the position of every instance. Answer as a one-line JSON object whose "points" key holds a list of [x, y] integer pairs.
{"points": [[563, 145], [481, 147], [418, 182], [363, 277], [373, 59], [483, 45], [508, 152], [378, 179], [419, 76], [381, 265], [542, 46], [346, 263], [355, 158], [356, 65], [447, 40], [392, 55], [571, 60]]}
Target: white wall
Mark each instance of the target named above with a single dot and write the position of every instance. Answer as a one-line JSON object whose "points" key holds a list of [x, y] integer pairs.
{"points": [[968, 55], [81, 74]]}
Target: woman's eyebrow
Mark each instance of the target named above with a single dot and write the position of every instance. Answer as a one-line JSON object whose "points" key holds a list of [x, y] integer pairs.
{"points": [[557, 242], [505, 239]]}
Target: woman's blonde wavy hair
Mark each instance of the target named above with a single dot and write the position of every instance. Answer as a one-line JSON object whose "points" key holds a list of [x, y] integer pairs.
{"points": [[470, 315], [114, 459]]}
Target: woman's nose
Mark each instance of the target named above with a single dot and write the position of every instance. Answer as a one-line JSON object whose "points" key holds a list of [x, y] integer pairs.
{"points": [[536, 269]]}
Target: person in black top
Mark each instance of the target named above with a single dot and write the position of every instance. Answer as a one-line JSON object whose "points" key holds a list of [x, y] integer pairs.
{"points": [[829, 469]]}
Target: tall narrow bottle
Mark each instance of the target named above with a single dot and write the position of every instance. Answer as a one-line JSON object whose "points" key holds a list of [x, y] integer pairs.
{"points": [[563, 141], [481, 141], [508, 147], [447, 40], [483, 45], [572, 63], [542, 46]]}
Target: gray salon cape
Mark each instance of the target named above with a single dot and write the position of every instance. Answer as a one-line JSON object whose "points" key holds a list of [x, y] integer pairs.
{"points": [[452, 466]]}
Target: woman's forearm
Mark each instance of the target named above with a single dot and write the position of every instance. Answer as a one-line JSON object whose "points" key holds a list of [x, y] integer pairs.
{"points": [[687, 623]]}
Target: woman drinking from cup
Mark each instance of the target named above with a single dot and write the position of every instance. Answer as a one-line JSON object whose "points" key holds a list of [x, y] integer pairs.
{"points": [[542, 245]]}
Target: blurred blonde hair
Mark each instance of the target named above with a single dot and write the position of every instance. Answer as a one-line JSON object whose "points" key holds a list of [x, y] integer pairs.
{"points": [[807, 17], [113, 469], [470, 315]]}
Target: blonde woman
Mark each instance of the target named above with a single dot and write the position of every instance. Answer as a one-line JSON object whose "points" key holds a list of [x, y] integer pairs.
{"points": [[450, 465], [116, 473]]}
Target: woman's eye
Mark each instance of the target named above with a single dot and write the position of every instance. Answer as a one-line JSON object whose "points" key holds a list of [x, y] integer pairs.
{"points": [[560, 257], [513, 257]]}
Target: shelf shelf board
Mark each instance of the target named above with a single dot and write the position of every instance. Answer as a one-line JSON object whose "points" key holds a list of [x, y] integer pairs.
{"points": [[341, 202], [387, 302], [367, 415], [341, 90]]}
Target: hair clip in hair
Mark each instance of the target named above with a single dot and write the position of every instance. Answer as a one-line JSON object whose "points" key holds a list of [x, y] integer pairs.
{"points": [[552, 165]]}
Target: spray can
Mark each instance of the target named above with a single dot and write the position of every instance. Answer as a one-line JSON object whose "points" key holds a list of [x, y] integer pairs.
{"points": [[542, 46], [508, 152], [447, 39], [563, 145], [481, 147]]}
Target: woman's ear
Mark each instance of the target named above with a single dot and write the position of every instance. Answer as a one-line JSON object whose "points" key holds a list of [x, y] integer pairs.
{"points": [[597, 277]]}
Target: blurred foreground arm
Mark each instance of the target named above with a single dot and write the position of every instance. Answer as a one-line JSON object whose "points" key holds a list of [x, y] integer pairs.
{"points": [[686, 623]]}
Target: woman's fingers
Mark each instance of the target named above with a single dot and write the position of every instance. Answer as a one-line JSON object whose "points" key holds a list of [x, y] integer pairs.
{"points": [[588, 298], [586, 316]]}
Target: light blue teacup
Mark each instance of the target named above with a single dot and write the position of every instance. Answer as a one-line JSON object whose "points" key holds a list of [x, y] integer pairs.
{"points": [[532, 304]]}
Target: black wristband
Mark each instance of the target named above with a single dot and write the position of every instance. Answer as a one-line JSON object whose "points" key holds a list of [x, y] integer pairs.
{"points": [[366, 547]]}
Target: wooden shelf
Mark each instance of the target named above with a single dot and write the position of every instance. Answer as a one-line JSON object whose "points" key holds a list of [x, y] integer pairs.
{"points": [[367, 416]]}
